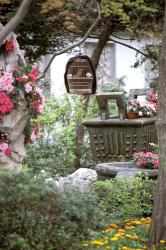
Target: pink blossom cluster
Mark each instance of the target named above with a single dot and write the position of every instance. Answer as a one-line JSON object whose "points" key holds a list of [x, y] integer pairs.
{"points": [[6, 82], [6, 104], [27, 81], [146, 160], [39, 104], [4, 148], [153, 100], [35, 132]]}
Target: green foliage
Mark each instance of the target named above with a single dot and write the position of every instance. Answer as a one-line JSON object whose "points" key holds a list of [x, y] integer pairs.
{"points": [[34, 215], [55, 151], [117, 85], [126, 198], [124, 11]]}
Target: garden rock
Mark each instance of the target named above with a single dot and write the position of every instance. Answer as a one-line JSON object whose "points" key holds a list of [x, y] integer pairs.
{"points": [[81, 178]]}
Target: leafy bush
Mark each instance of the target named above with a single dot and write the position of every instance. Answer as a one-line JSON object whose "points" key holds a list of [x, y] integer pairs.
{"points": [[125, 198], [34, 215], [55, 151]]}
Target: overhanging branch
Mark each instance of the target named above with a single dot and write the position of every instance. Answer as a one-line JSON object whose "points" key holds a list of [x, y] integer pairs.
{"points": [[75, 44], [130, 47], [16, 20]]}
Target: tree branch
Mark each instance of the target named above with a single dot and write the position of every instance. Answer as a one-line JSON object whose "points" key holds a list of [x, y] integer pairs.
{"points": [[16, 20], [130, 47], [75, 44]]}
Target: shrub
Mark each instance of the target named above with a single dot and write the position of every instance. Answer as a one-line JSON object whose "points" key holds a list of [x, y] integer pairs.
{"points": [[34, 215], [126, 198], [55, 151]]}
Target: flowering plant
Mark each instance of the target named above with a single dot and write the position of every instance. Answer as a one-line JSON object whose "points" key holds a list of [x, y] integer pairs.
{"points": [[24, 81], [4, 144], [9, 45], [142, 108], [152, 98], [146, 160]]}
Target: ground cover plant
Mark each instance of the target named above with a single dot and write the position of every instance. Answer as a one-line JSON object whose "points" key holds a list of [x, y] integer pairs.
{"points": [[133, 234], [127, 204]]}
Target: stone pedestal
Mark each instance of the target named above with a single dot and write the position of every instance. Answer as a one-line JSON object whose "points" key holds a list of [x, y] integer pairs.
{"points": [[13, 125]]}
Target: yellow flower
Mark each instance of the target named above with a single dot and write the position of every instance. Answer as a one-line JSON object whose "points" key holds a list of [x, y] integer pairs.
{"points": [[107, 248], [162, 241], [119, 234], [114, 238], [85, 245], [106, 230], [131, 236], [129, 227], [113, 225], [136, 222], [97, 243]]}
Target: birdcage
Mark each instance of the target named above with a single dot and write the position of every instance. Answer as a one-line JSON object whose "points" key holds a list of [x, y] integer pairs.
{"points": [[80, 76]]}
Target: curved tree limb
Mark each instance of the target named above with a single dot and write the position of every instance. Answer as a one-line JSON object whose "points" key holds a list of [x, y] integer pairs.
{"points": [[130, 47], [75, 44], [16, 20]]}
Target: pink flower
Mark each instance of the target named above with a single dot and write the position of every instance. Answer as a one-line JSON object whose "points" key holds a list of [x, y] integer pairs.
{"points": [[35, 132], [28, 88], [33, 136], [142, 161], [155, 163], [3, 147], [38, 90], [6, 104], [6, 82], [149, 154]]}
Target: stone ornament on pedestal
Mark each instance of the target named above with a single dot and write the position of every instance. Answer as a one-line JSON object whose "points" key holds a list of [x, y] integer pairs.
{"points": [[116, 138]]}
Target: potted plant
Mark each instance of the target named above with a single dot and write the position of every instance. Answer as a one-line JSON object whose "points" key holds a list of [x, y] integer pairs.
{"points": [[140, 108], [146, 160]]}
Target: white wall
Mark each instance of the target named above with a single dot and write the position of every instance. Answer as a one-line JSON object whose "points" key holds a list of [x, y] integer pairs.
{"points": [[57, 74], [125, 59]]}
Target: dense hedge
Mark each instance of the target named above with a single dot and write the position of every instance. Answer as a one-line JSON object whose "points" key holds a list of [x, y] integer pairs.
{"points": [[34, 215]]}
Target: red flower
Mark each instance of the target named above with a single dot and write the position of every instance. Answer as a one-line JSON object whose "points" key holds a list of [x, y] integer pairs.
{"points": [[8, 151], [6, 104], [22, 78], [10, 45], [33, 76]]}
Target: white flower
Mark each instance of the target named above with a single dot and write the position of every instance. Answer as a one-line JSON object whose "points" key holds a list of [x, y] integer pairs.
{"points": [[28, 88], [140, 113]]}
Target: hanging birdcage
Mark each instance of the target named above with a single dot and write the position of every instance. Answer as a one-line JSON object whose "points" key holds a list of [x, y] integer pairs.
{"points": [[80, 76]]}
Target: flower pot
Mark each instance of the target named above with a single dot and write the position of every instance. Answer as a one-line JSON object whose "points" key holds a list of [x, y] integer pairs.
{"points": [[132, 115]]}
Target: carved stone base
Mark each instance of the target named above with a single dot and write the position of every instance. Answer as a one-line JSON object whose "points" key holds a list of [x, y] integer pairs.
{"points": [[13, 125]]}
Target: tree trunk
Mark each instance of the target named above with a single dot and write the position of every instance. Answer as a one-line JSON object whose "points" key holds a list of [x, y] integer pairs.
{"points": [[158, 227], [104, 37]]}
